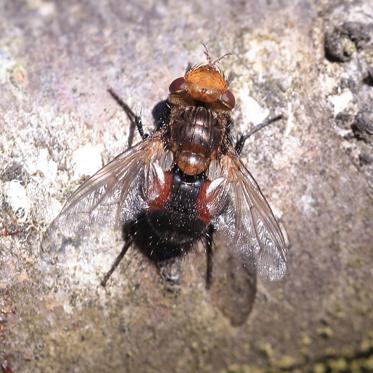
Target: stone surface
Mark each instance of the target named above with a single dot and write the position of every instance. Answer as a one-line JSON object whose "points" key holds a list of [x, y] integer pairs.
{"points": [[57, 60]]}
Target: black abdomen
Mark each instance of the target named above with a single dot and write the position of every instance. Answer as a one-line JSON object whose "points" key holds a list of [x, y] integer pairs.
{"points": [[177, 221]]}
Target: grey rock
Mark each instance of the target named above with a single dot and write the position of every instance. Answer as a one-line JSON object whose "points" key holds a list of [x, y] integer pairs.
{"points": [[57, 60]]}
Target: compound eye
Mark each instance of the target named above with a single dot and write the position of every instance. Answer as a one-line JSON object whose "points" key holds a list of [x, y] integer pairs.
{"points": [[177, 85], [228, 99]]}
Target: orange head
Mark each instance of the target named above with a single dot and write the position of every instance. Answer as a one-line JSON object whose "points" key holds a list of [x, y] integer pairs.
{"points": [[204, 84]]}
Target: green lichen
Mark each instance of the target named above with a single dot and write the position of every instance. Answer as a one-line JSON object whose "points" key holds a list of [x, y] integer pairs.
{"points": [[325, 332]]}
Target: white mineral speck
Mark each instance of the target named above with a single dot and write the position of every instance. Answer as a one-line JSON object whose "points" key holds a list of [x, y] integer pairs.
{"points": [[87, 160], [47, 9], [306, 204], [45, 165], [252, 112], [341, 102], [16, 197]]}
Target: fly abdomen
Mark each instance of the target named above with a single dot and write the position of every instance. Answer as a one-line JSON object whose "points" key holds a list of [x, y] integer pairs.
{"points": [[175, 219]]}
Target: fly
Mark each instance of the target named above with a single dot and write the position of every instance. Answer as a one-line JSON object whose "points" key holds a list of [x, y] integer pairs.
{"points": [[184, 183]]}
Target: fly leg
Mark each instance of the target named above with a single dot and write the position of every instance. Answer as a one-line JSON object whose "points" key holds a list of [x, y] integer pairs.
{"points": [[135, 120], [116, 262], [209, 256], [241, 141]]}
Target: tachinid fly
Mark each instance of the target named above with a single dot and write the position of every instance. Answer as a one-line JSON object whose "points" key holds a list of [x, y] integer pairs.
{"points": [[183, 183]]}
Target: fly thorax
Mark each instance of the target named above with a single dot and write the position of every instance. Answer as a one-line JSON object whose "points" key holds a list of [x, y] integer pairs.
{"points": [[196, 134]]}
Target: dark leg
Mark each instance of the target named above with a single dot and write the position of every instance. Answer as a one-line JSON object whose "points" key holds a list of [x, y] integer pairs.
{"points": [[116, 262], [241, 141], [209, 255], [134, 119]]}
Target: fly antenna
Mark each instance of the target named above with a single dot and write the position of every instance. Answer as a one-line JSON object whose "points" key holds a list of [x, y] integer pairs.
{"points": [[216, 60], [207, 54]]}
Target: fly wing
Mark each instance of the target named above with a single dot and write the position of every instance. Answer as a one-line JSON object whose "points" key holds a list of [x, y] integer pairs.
{"points": [[247, 221], [113, 196]]}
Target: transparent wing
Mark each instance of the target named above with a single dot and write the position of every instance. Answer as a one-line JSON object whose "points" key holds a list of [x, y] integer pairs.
{"points": [[247, 221], [114, 195]]}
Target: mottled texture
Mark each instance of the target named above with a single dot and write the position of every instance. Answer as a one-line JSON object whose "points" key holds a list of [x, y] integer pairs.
{"points": [[57, 60]]}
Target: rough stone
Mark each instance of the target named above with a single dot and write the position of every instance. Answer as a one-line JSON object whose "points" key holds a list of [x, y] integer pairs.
{"points": [[57, 61]]}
